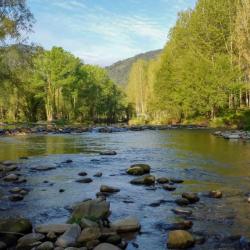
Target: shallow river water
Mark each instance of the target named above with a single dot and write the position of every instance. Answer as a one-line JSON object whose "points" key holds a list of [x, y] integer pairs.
{"points": [[204, 161]]}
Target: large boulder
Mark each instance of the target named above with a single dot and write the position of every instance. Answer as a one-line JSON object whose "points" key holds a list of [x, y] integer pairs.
{"points": [[15, 226], [69, 238], [106, 246], [52, 228], [144, 180], [180, 239], [138, 169], [129, 224], [28, 241], [94, 210]]}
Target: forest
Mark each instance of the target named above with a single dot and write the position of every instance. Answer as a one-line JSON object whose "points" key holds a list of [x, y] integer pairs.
{"points": [[201, 77], [203, 73]]}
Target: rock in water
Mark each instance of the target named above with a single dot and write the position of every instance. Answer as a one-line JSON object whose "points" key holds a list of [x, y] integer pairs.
{"points": [[139, 169], [52, 228], [106, 246], [182, 211], [91, 209], [82, 174], [10, 177], [16, 197], [144, 180], [191, 197], [43, 168], [168, 187], [129, 224], [69, 238], [180, 239], [163, 180], [109, 189], [98, 174], [108, 153], [182, 202], [84, 180], [215, 194]]}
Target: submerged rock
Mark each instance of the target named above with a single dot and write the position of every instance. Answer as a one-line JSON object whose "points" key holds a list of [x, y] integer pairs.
{"points": [[16, 197], [178, 181], [98, 174], [108, 153], [91, 209], [180, 239], [82, 174], [84, 180], [69, 237], [144, 180], [139, 169], [109, 189], [182, 211], [182, 202], [129, 224], [183, 225], [11, 177], [43, 168]]}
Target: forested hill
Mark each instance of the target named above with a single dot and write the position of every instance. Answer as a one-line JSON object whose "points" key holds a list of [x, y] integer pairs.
{"points": [[119, 71]]}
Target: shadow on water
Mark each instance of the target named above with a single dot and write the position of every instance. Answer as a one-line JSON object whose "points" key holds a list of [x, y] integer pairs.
{"points": [[205, 163]]}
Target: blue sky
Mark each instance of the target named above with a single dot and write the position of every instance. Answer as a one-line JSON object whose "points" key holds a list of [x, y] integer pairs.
{"points": [[104, 31]]}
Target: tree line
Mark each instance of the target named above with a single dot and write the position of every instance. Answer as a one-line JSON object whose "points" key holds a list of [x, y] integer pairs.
{"points": [[38, 84], [204, 69]]}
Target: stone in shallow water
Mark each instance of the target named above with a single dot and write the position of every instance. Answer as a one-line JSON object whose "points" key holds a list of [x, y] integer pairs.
{"points": [[215, 194], [43, 168], [10, 177], [52, 228], [168, 187], [129, 224], [69, 237], [162, 180], [144, 180], [178, 181], [192, 197], [98, 174], [84, 180], [108, 153], [183, 225], [109, 189], [16, 197], [180, 239], [182, 211], [139, 169], [182, 202], [106, 246], [82, 174]]}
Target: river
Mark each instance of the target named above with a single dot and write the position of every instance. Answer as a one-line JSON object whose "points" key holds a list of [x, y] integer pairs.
{"points": [[204, 161]]}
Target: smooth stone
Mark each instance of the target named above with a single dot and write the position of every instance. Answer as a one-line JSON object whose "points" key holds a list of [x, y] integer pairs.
{"points": [[109, 189], [29, 240], [138, 169], [163, 180], [168, 187], [10, 177], [248, 199], [108, 153], [20, 181], [144, 180], [182, 212], [180, 239], [98, 174], [114, 239], [15, 190], [3, 246], [192, 197], [68, 161], [9, 168], [51, 236], [69, 237], [215, 194], [106, 246], [182, 202], [43, 168], [85, 223], [16, 197], [89, 234], [82, 174], [84, 180], [91, 209], [47, 245], [9, 163], [61, 190], [52, 228], [129, 224]]}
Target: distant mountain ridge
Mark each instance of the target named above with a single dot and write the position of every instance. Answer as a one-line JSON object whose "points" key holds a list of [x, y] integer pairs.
{"points": [[119, 71]]}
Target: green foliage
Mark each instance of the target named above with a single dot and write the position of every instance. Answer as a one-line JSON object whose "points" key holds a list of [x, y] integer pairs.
{"points": [[203, 71]]}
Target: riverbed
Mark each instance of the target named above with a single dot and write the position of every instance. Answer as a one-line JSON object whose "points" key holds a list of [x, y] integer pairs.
{"points": [[203, 161]]}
